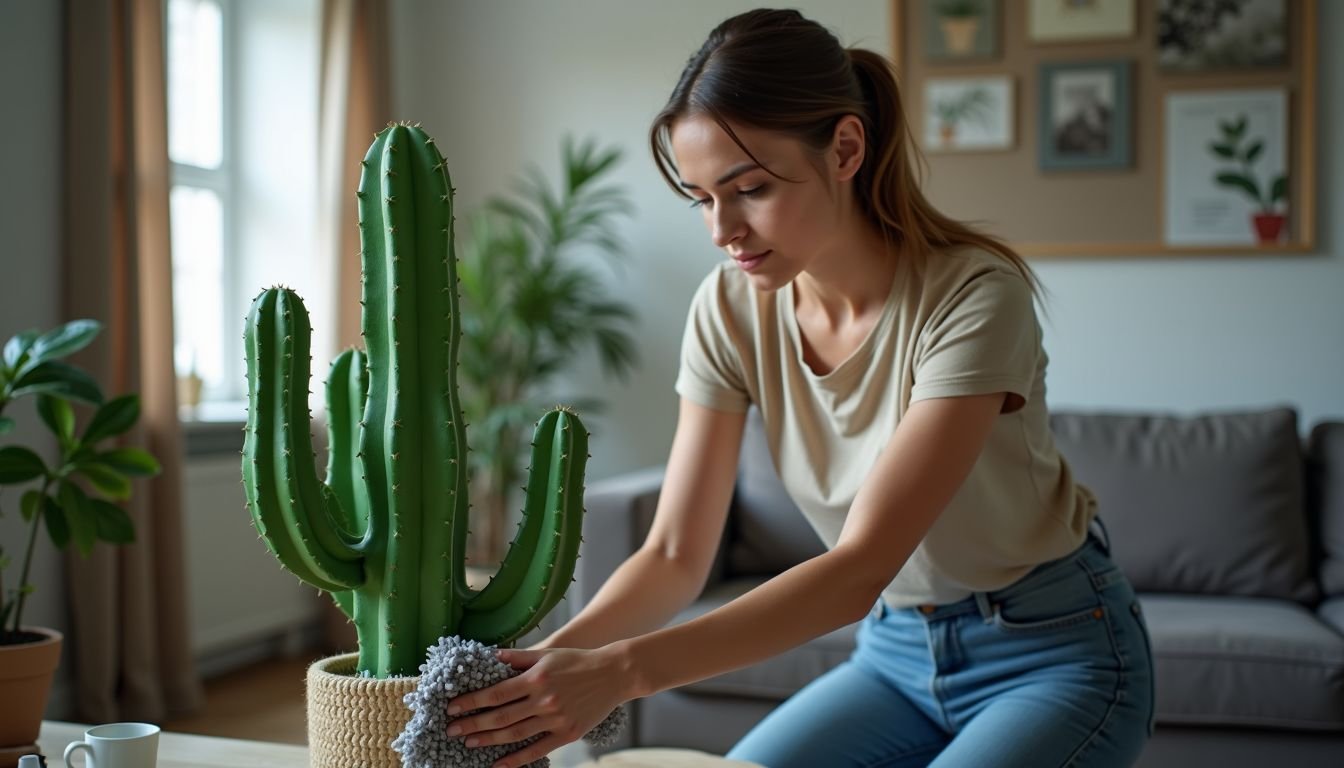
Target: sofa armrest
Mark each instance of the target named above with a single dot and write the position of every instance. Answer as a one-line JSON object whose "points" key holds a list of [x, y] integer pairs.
{"points": [[618, 513]]}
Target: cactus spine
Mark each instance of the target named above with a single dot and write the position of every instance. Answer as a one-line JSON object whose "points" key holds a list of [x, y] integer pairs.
{"points": [[386, 532]]}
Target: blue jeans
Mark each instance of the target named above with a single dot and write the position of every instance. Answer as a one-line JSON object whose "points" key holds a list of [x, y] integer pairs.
{"points": [[1053, 670]]}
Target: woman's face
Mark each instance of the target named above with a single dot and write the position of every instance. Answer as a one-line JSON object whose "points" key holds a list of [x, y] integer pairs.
{"points": [[771, 228]]}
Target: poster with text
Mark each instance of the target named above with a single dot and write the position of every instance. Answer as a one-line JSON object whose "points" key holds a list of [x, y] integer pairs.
{"points": [[1226, 176]]}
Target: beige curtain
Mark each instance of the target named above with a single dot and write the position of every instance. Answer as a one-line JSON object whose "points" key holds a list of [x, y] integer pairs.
{"points": [[129, 641], [353, 105]]}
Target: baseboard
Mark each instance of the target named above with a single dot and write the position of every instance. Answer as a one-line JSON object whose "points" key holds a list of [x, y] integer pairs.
{"points": [[292, 642]]}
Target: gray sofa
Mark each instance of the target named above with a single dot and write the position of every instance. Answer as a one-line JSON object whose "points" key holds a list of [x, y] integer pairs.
{"points": [[1229, 524]]}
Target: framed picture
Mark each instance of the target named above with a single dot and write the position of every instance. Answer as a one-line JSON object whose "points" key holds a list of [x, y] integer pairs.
{"points": [[961, 29], [1085, 120], [968, 113], [1061, 21], [1226, 179], [1194, 35]]}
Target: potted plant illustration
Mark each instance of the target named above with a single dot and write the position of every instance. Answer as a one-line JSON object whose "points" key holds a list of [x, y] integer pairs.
{"points": [[1269, 217], [959, 21], [970, 104], [58, 498], [386, 533], [530, 304]]}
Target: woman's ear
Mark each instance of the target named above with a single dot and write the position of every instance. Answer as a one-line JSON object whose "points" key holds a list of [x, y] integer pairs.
{"points": [[847, 147]]}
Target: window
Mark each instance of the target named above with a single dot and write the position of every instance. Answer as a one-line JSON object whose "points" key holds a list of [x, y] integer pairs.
{"points": [[242, 135]]}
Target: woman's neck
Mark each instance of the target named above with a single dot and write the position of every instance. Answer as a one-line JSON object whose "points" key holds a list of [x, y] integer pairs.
{"points": [[851, 279]]}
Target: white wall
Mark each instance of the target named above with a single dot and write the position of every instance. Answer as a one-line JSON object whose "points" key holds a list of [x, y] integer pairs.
{"points": [[30, 247], [499, 83]]}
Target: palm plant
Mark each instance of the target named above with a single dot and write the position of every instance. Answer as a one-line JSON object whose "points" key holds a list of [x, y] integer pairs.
{"points": [[529, 307]]}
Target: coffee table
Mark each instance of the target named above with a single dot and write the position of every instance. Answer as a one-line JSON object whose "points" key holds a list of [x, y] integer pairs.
{"points": [[652, 757], [182, 750]]}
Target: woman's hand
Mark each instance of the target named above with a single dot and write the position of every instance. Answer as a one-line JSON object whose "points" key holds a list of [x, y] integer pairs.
{"points": [[562, 693]]}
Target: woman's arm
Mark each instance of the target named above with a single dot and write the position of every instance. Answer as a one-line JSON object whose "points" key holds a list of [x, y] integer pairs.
{"points": [[670, 569], [916, 476]]}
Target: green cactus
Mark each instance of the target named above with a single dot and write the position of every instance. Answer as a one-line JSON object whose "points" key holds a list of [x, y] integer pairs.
{"points": [[386, 533]]}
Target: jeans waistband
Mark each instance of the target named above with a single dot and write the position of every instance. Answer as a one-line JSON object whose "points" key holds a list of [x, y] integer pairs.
{"points": [[983, 602]]}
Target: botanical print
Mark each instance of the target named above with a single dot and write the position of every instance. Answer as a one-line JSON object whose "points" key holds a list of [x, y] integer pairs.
{"points": [[968, 113]]}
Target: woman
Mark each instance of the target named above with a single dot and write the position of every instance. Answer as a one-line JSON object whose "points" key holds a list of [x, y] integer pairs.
{"points": [[896, 360]]}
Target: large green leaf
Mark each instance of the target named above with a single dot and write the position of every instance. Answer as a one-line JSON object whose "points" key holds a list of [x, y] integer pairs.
{"points": [[58, 415], [1230, 179], [18, 464], [31, 504], [115, 417], [64, 340], [1252, 152], [17, 347], [131, 461], [79, 514], [1224, 150], [112, 523], [58, 524], [57, 378], [111, 482], [1279, 191]]}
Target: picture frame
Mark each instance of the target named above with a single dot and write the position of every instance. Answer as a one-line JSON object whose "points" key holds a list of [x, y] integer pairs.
{"points": [[966, 114], [962, 30], [1226, 180], [1067, 21], [1201, 38], [1104, 213], [1085, 120]]}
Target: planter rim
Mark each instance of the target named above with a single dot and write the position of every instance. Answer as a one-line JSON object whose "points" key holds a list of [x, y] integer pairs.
{"points": [[51, 636]]}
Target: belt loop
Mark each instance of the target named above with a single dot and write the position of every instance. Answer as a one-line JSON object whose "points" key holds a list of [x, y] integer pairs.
{"points": [[986, 609], [1098, 529]]}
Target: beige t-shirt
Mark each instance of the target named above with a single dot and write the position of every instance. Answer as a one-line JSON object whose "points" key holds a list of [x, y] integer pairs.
{"points": [[962, 323]]}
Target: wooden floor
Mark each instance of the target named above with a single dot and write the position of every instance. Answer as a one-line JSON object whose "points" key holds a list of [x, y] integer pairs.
{"points": [[262, 702]]}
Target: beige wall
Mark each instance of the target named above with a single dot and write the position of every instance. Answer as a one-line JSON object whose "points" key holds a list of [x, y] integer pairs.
{"points": [[498, 83]]}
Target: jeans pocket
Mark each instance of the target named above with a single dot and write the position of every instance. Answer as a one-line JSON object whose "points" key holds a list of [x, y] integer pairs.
{"points": [[1009, 620]]}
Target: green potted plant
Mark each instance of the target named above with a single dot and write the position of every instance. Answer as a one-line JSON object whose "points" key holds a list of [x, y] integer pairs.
{"points": [[971, 104], [386, 532], [56, 499], [1268, 219], [959, 21], [529, 306]]}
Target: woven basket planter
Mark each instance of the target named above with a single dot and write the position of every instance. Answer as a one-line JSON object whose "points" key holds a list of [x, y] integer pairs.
{"points": [[352, 720]]}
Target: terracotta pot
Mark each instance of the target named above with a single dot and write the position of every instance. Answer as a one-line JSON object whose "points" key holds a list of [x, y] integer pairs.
{"points": [[959, 34], [26, 671], [1268, 226], [352, 720]]}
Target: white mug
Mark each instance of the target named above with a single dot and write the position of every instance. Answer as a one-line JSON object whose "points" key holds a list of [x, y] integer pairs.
{"points": [[119, 745]]}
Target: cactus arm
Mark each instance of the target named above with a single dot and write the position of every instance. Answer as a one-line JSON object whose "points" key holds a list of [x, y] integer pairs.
{"points": [[540, 562], [291, 510], [347, 386]]}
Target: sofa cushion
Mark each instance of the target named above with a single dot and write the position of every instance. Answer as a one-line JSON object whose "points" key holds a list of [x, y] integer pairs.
{"points": [[1238, 661], [778, 677], [1211, 504], [1325, 462], [768, 533]]}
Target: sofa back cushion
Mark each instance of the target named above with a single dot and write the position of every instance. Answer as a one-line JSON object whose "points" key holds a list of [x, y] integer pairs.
{"points": [[767, 532], [1325, 462], [1211, 504]]}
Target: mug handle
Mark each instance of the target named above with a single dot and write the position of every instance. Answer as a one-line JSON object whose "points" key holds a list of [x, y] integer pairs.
{"points": [[74, 747]]}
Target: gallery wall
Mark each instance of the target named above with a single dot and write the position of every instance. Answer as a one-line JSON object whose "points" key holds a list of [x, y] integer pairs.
{"points": [[500, 83]]}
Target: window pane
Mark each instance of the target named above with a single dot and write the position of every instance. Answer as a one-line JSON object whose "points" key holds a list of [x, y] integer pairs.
{"points": [[195, 83], [198, 280]]}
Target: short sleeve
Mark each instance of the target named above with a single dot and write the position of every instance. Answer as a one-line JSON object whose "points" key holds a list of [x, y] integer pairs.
{"points": [[711, 369], [984, 340]]}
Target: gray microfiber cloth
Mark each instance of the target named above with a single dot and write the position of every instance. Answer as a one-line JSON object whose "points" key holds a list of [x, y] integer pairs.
{"points": [[456, 666]]}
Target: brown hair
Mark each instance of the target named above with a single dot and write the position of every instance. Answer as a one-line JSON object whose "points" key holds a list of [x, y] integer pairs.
{"points": [[778, 71]]}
